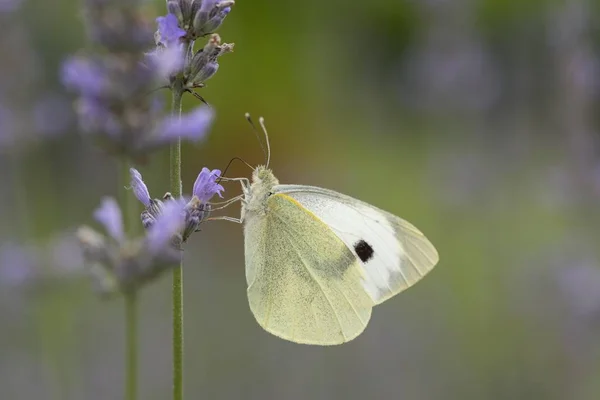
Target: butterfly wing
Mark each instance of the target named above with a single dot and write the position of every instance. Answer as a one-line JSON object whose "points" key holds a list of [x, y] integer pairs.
{"points": [[304, 284], [394, 255]]}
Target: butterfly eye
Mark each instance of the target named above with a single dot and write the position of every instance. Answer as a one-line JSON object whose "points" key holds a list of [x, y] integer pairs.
{"points": [[270, 194]]}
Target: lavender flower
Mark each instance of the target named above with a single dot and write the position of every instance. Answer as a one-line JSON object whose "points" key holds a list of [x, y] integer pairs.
{"points": [[196, 210], [206, 186], [123, 264], [169, 31], [114, 105], [139, 187], [168, 224], [153, 207]]}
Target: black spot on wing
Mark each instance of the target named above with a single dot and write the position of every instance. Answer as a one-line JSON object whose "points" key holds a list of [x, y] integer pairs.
{"points": [[363, 250]]}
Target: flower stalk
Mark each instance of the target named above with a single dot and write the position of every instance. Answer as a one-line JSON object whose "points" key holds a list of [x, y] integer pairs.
{"points": [[175, 187]]}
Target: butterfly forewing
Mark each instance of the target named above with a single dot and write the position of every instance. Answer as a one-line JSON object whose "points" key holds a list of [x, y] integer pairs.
{"points": [[393, 254], [304, 283]]}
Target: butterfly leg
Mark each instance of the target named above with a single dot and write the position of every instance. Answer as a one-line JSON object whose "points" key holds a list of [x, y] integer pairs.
{"points": [[245, 182], [225, 218], [226, 203]]}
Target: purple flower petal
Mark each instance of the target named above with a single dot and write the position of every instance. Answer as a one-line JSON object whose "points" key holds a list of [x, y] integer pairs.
{"points": [[167, 61], [109, 215], [169, 30], [206, 186], [139, 187], [192, 126], [169, 223]]}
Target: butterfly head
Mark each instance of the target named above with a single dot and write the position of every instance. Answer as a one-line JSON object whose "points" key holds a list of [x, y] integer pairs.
{"points": [[263, 182], [263, 177]]}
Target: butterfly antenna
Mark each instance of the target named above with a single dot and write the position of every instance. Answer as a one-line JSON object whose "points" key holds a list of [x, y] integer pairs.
{"points": [[249, 119], [261, 121]]}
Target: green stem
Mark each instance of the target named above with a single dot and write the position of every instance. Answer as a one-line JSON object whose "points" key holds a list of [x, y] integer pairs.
{"points": [[132, 221], [175, 175]]}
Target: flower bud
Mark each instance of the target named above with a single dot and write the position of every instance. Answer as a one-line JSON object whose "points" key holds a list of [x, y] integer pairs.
{"points": [[204, 63], [210, 16]]}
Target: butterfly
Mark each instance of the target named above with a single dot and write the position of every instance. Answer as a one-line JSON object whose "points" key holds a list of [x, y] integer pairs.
{"points": [[318, 261]]}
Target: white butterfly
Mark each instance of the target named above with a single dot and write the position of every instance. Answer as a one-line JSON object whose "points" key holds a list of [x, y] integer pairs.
{"points": [[317, 261]]}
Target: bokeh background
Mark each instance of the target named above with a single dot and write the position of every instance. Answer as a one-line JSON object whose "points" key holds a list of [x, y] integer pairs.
{"points": [[476, 120]]}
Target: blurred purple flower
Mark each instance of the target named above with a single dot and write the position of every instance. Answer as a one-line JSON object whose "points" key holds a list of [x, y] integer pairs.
{"points": [[7, 6], [192, 126], [95, 116], [109, 215], [169, 31], [168, 224], [17, 265], [166, 61], [139, 187], [83, 75], [206, 186], [580, 284]]}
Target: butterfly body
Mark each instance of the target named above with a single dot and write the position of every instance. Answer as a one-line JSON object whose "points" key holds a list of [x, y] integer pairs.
{"points": [[317, 261]]}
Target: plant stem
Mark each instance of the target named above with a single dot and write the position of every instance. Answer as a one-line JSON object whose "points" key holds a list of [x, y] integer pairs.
{"points": [[175, 175], [131, 220]]}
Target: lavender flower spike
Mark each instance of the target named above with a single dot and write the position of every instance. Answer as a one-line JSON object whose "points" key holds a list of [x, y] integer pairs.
{"points": [[109, 215], [139, 187], [206, 186], [192, 126]]}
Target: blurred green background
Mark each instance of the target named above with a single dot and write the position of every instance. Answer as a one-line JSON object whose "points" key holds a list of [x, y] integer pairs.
{"points": [[474, 120]]}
